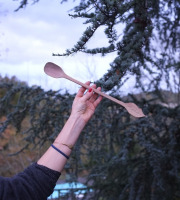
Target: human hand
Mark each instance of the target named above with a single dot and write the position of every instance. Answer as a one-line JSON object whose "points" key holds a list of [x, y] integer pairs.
{"points": [[84, 105]]}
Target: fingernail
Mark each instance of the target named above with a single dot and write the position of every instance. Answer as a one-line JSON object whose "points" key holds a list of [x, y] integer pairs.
{"points": [[90, 89]]}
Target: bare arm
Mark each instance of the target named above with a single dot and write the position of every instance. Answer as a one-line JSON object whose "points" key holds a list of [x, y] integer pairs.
{"points": [[83, 108]]}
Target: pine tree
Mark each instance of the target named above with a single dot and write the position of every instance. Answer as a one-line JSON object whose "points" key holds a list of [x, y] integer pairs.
{"points": [[148, 45]]}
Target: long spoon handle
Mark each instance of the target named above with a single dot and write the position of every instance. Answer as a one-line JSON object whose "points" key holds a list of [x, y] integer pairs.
{"points": [[95, 90], [132, 108]]}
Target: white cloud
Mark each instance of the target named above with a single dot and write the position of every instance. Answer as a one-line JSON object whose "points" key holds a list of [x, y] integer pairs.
{"points": [[28, 34]]}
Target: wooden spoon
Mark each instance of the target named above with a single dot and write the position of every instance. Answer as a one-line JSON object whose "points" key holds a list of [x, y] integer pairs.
{"points": [[55, 71]]}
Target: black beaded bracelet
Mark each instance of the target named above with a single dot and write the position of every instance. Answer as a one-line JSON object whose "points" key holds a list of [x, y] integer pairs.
{"points": [[59, 151]]}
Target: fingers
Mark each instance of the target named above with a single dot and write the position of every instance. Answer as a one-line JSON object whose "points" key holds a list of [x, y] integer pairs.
{"points": [[82, 90], [96, 99], [88, 94], [92, 96], [99, 99]]}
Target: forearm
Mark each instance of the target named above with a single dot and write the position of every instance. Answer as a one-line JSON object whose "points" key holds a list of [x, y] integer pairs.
{"points": [[83, 108], [69, 135]]}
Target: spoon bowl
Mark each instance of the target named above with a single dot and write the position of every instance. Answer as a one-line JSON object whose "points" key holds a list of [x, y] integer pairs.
{"points": [[55, 71]]}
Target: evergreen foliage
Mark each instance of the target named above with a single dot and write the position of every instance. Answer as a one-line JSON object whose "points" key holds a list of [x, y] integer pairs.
{"points": [[124, 158], [148, 45]]}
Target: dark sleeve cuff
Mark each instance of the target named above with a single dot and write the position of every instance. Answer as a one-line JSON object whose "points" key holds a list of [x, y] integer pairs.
{"points": [[36, 182], [42, 180], [54, 175]]}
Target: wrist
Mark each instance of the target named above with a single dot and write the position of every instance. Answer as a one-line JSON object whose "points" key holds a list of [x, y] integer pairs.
{"points": [[71, 131], [62, 147], [77, 120]]}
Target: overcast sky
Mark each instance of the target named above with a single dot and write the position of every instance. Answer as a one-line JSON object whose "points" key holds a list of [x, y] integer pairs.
{"points": [[30, 36]]}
